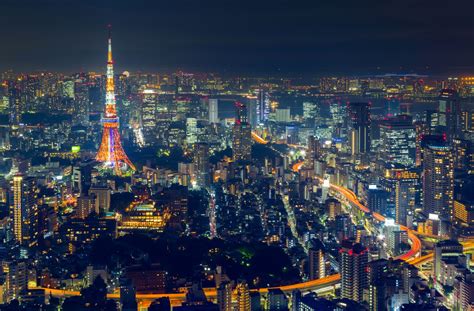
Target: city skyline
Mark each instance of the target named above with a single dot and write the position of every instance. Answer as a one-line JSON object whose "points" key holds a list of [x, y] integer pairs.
{"points": [[281, 189]]}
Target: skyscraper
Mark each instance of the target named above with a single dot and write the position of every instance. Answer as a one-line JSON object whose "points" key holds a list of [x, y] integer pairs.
{"points": [[241, 134], [398, 137], [317, 261], [359, 114], [377, 199], [353, 259], [213, 110], [438, 179], [313, 151], [148, 115], [201, 164], [191, 131], [406, 186], [111, 153], [25, 210], [449, 114], [263, 106]]}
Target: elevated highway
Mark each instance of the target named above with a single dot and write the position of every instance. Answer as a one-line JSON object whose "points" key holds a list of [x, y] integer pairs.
{"points": [[322, 285]]}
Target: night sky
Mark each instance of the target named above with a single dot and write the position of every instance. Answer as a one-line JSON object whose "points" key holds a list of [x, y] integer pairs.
{"points": [[254, 37]]}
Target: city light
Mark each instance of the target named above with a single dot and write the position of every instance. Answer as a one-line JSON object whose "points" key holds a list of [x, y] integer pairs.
{"points": [[235, 164]]}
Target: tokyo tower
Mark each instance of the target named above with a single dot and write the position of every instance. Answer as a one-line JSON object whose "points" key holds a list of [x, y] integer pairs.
{"points": [[111, 152]]}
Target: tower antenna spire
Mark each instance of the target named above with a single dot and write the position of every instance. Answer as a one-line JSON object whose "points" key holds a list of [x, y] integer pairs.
{"points": [[109, 55]]}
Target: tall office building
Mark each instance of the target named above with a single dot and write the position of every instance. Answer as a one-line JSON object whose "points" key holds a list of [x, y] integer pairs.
{"points": [[438, 179], [406, 189], [241, 134], [25, 210], [359, 114], [449, 114], [201, 164], [148, 116], [213, 110], [243, 297], [252, 104], [81, 102], [191, 131], [353, 259], [313, 151], [317, 261], [398, 137], [263, 106], [421, 130], [377, 290], [377, 199]]}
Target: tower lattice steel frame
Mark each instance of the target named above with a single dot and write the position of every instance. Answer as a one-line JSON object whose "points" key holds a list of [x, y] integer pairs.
{"points": [[111, 152]]}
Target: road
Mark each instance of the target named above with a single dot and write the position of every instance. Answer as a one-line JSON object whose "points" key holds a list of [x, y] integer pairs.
{"points": [[258, 139], [292, 223], [415, 242], [323, 284]]}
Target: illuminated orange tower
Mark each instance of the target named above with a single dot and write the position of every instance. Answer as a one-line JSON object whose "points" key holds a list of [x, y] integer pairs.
{"points": [[111, 152]]}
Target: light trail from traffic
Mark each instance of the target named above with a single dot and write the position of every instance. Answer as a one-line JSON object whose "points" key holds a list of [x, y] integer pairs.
{"points": [[258, 138], [415, 241], [309, 286], [352, 198]]}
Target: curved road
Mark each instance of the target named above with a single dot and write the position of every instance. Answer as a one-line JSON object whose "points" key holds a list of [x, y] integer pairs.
{"points": [[351, 197], [314, 285]]}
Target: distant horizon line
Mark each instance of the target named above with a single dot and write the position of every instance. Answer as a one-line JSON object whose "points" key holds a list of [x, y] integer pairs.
{"points": [[267, 74]]}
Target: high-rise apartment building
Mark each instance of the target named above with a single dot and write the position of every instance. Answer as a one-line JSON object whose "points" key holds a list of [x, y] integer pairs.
{"points": [[224, 296], [353, 259], [406, 189], [241, 134], [317, 261], [243, 297], [201, 164], [438, 179], [25, 210]]}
